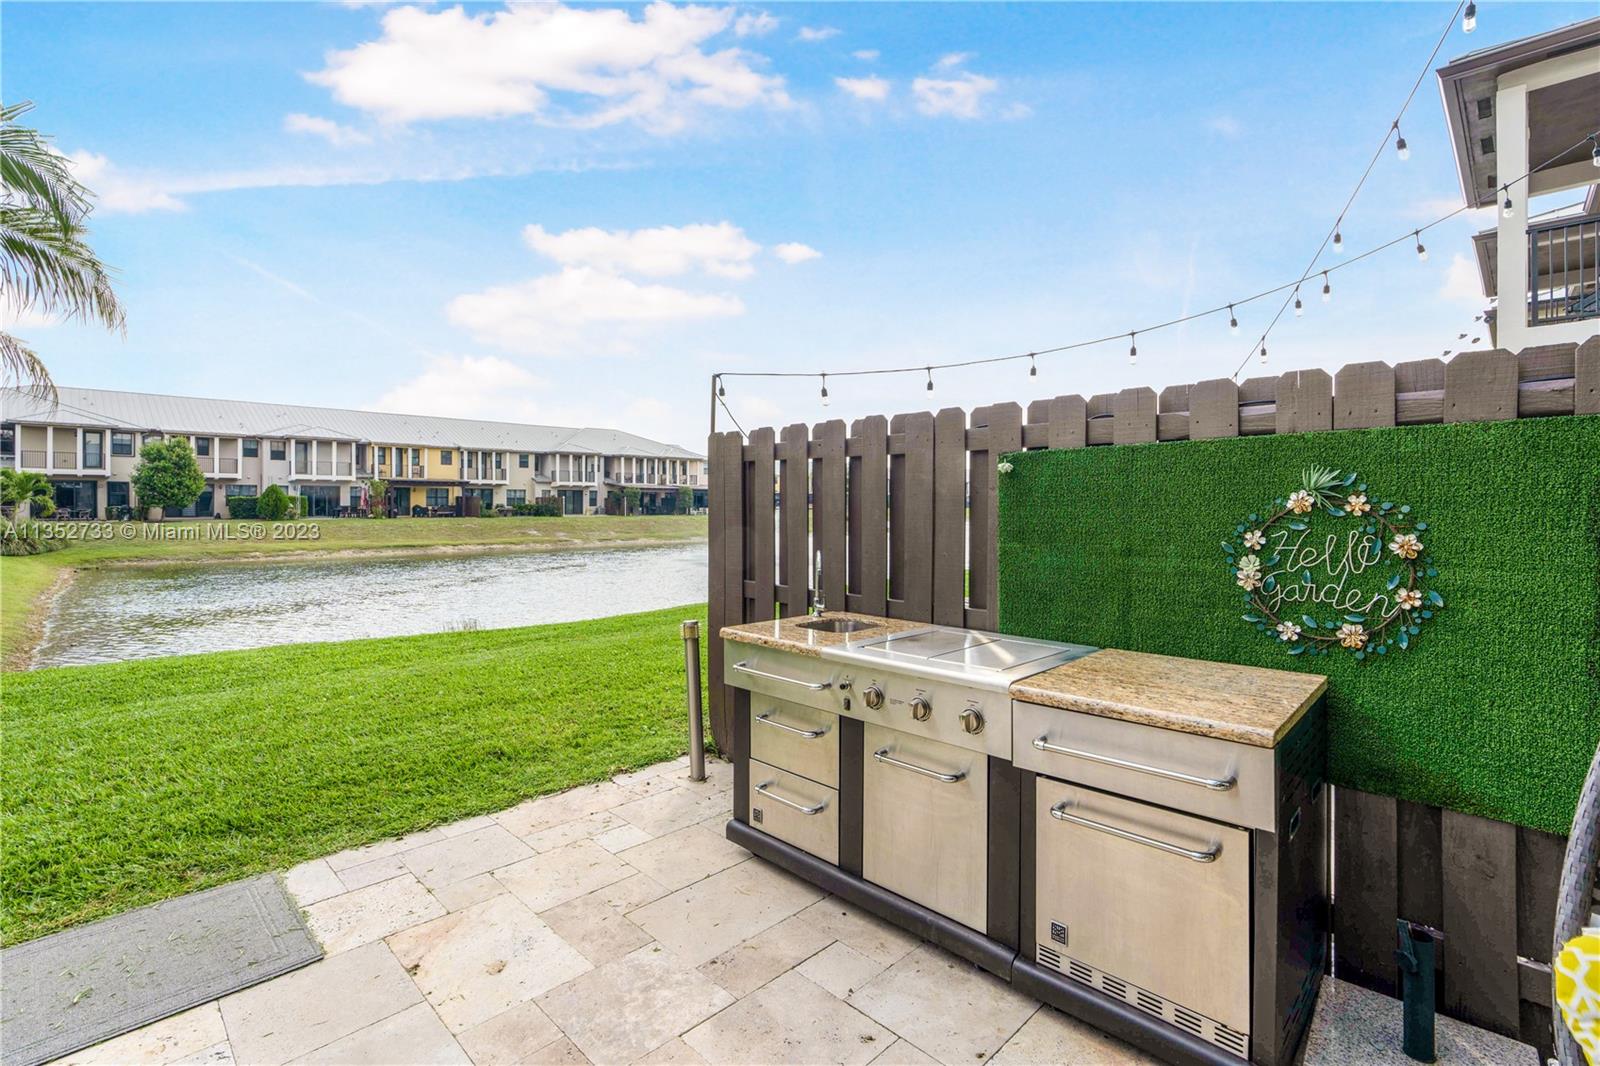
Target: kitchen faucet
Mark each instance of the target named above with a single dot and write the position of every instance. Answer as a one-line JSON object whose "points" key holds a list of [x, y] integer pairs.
{"points": [[817, 606]]}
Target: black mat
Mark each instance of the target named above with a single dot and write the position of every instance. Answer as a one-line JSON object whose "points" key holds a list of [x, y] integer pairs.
{"points": [[78, 987]]}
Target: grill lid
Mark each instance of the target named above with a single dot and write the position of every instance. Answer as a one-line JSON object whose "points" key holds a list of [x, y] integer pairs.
{"points": [[985, 659]]}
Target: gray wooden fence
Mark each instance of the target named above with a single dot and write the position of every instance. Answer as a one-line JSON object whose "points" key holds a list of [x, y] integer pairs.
{"points": [[888, 509]]}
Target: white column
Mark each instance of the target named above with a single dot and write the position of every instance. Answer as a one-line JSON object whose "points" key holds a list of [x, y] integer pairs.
{"points": [[1511, 250], [49, 449]]}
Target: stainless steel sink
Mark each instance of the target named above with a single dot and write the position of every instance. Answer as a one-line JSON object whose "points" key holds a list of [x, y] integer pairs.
{"points": [[839, 625]]}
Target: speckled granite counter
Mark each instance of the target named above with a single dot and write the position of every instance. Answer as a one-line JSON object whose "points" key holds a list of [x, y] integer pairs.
{"points": [[788, 634], [1243, 704]]}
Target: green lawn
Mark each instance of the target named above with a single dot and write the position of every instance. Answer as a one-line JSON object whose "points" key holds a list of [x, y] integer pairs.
{"points": [[133, 782], [23, 578]]}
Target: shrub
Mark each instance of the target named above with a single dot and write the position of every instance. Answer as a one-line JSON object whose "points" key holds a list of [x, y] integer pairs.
{"points": [[302, 506], [547, 508], [243, 506], [168, 475], [274, 505], [681, 501]]}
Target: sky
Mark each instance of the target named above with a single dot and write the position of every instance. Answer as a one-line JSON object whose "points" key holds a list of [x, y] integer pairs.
{"points": [[575, 215]]}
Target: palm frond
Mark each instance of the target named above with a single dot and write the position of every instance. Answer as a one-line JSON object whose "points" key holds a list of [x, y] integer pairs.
{"points": [[51, 266], [21, 368], [34, 173]]}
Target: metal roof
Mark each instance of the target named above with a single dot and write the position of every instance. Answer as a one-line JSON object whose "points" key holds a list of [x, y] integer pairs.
{"points": [[106, 408]]}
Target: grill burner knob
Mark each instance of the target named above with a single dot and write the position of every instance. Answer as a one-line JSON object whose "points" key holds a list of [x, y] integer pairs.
{"points": [[921, 709], [971, 720], [873, 695]]}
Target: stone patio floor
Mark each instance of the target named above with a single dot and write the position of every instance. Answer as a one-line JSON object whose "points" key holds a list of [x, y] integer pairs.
{"points": [[613, 923]]}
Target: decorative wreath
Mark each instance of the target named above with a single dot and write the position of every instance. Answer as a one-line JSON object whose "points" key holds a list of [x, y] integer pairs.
{"points": [[1302, 619]]}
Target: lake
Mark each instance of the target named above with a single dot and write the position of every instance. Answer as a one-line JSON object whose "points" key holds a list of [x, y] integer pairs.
{"points": [[136, 613]]}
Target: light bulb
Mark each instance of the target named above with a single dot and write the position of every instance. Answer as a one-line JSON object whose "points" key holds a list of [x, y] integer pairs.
{"points": [[930, 379], [720, 390], [1338, 242], [1299, 308], [1327, 290], [1233, 321], [824, 390], [1400, 147], [1469, 19], [1422, 253], [1263, 355], [1507, 208], [1033, 367], [1133, 350]]}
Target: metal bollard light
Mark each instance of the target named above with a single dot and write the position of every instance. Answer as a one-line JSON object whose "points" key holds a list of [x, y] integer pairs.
{"points": [[1414, 955], [691, 673]]}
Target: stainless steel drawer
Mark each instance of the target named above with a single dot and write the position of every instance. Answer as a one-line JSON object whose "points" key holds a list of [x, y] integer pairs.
{"points": [[1218, 779], [795, 809], [925, 823], [1148, 898], [793, 737], [804, 679]]}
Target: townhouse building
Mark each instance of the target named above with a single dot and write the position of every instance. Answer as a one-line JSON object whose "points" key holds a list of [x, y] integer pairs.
{"points": [[87, 442]]}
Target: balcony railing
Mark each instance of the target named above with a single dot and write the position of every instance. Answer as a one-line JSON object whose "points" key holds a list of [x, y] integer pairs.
{"points": [[227, 466], [344, 467], [1562, 271], [66, 461], [33, 459]]}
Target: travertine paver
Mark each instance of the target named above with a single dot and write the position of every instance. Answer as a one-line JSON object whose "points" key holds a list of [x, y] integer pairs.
{"points": [[614, 923]]}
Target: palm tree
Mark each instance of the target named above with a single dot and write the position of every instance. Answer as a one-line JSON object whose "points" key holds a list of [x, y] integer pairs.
{"points": [[27, 492], [46, 263]]}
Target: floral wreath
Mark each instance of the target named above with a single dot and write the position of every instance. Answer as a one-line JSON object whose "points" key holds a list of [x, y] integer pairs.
{"points": [[1411, 600]]}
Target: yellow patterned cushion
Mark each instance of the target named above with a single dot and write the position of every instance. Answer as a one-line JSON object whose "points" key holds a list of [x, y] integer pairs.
{"points": [[1577, 972]]}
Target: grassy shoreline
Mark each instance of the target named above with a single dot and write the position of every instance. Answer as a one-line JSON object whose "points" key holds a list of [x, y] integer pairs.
{"points": [[28, 582], [127, 783]]}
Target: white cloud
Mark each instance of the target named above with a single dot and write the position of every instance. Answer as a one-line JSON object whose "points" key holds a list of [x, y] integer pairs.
{"points": [[581, 67], [722, 249], [754, 24], [553, 313], [118, 192], [25, 319], [868, 88], [960, 96], [812, 34], [1225, 126], [795, 252], [329, 130], [1462, 282], [866, 55], [951, 60], [463, 387]]}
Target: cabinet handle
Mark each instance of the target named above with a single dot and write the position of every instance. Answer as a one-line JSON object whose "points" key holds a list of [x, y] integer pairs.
{"points": [[1216, 784], [1059, 811], [765, 788], [766, 718], [883, 756], [744, 667]]}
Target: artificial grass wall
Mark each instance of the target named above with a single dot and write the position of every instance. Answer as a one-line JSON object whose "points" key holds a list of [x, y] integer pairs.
{"points": [[1495, 707]]}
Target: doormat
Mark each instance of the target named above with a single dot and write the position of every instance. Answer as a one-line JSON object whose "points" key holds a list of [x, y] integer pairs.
{"points": [[80, 986]]}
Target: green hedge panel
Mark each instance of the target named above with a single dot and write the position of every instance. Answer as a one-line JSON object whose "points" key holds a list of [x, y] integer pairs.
{"points": [[1495, 709]]}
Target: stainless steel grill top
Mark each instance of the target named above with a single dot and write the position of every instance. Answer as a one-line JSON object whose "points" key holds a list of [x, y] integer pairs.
{"points": [[964, 656]]}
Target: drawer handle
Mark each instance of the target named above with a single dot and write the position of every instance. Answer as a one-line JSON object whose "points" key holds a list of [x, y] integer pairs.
{"points": [[882, 755], [744, 667], [765, 788], [1216, 784], [1059, 811], [809, 734]]}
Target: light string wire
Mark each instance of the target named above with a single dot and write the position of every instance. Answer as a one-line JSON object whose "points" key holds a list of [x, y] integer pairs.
{"points": [[1394, 128]]}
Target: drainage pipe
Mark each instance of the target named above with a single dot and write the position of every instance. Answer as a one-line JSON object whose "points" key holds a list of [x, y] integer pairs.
{"points": [[1414, 955], [691, 673]]}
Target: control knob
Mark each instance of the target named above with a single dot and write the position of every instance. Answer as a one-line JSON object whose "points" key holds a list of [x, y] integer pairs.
{"points": [[873, 695], [971, 720], [921, 709]]}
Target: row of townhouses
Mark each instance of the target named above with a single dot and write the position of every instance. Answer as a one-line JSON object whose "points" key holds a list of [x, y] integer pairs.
{"points": [[87, 443]]}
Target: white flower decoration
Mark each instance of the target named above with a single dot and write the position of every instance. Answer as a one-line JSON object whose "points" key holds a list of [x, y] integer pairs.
{"points": [[1301, 501], [1406, 545], [1356, 503], [1004, 467], [1288, 631], [1255, 539], [1408, 599], [1250, 562], [1249, 580], [1353, 636]]}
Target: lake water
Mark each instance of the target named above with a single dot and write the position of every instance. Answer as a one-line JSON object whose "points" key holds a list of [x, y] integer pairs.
{"points": [[136, 613]]}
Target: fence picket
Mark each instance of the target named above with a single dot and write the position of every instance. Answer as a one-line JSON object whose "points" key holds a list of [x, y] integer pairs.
{"points": [[911, 519], [828, 515], [1586, 378], [949, 516], [1136, 417], [1480, 387], [759, 529], [1304, 402], [794, 520], [1069, 422], [1214, 409], [869, 516], [1363, 396]]}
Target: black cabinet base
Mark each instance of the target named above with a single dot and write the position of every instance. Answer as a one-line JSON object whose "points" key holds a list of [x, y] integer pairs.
{"points": [[913, 918]]}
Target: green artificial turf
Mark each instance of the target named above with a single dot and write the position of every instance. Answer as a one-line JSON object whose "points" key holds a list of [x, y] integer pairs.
{"points": [[1494, 709], [133, 782]]}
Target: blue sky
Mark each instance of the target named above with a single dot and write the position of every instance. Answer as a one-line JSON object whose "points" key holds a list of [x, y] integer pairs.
{"points": [[574, 215]]}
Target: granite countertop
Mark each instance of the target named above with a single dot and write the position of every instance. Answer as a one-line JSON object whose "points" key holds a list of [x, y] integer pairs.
{"points": [[1243, 704], [787, 634]]}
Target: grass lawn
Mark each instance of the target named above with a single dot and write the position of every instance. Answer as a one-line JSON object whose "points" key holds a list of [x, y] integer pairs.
{"points": [[133, 782], [23, 578]]}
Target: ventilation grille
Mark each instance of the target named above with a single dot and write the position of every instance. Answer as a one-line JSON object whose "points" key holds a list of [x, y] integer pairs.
{"points": [[1302, 764], [1212, 1032]]}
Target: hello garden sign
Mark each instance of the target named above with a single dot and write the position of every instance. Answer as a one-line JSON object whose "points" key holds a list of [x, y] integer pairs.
{"points": [[1333, 567]]}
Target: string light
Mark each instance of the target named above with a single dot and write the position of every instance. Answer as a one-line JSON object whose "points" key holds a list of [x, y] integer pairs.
{"points": [[1327, 289], [720, 390], [930, 379], [1469, 21], [1507, 209], [1422, 253], [1033, 366], [1338, 241], [1133, 349], [1263, 355], [1299, 308], [1233, 321], [1400, 148], [824, 390]]}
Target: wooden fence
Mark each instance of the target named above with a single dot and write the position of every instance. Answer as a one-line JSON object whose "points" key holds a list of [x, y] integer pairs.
{"points": [[888, 509]]}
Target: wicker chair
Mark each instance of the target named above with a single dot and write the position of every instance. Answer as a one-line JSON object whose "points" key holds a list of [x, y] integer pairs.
{"points": [[1575, 901]]}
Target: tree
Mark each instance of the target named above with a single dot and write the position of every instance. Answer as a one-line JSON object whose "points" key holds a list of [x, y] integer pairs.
{"points": [[27, 492], [377, 497], [46, 264], [274, 505], [168, 474], [630, 500]]}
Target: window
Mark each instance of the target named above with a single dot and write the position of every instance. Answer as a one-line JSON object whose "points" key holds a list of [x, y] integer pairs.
{"points": [[499, 460], [514, 497], [117, 494], [202, 445], [522, 460], [235, 489], [276, 451], [302, 451], [252, 448], [383, 456], [438, 497], [416, 456], [94, 456], [8, 439], [594, 498], [446, 456], [355, 496], [121, 443]]}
